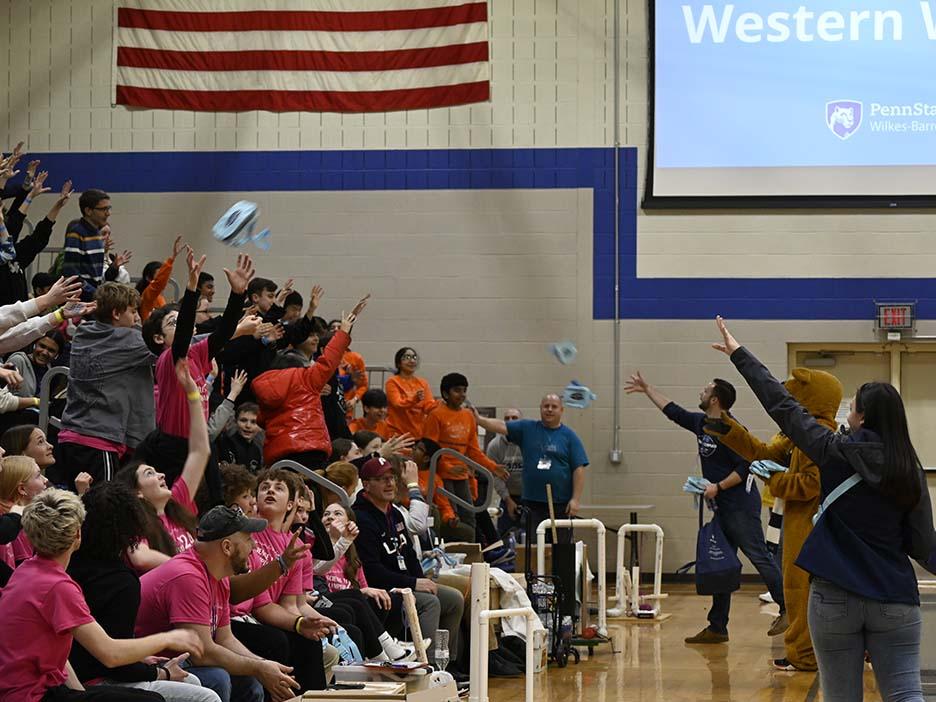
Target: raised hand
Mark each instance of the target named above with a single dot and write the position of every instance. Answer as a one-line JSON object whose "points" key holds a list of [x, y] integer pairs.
{"points": [[38, 185], [62, 291], [238, 381], [177, 246], [729, 344], [242, 274], [636, 384], [194, 269], [315, 298], [295, 550], [396, 444], [31, 169], [347, 320], [283, 292], [123, 258], [350, 530], [64, 195]]}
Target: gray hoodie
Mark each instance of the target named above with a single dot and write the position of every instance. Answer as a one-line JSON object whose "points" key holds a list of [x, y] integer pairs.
{"points": [[110, 384]]}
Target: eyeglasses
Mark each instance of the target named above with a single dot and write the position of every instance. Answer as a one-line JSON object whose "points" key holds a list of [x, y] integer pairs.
{"points": [[409, 357], [389, 478], [511, 418], [171, 322], [104, 209]]}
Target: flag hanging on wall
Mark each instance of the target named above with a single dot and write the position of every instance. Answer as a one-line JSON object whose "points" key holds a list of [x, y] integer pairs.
{"points": [[301, 55]]}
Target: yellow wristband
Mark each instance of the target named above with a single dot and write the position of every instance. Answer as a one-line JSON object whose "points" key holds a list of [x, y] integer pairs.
{"points": [[59, 317], [36, 402], [298, 625], [412, 486], [194, 396]]}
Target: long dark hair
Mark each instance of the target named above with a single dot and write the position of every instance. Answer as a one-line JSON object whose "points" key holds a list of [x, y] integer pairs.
{"points": [[114, 524], [149, 272], [352, 562], [15, 439], [883, 413], [155, 533]]}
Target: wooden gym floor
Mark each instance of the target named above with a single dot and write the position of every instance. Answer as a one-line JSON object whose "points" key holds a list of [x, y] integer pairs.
{"points": [[654, 665]]}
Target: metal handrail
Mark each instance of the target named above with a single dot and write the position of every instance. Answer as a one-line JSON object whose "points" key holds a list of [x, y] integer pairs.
{"points": [[171, 283], [320, 480], [383, 370], [45, 400], [489, 495]]}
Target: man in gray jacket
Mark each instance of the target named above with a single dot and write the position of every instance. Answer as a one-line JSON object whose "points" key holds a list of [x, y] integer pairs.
{"points": [[502, 451]]}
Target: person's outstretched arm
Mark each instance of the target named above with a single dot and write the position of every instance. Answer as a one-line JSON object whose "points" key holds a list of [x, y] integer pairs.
{"points": [[199, 445], [238, 280]]}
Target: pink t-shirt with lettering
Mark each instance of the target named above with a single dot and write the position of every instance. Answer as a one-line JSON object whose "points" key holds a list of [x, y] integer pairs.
{"points": [[172, 408], [336, 579], [39, 608], [269, 544], [182, 591]]}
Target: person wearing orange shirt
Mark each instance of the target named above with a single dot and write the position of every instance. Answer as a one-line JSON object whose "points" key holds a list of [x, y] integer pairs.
{"points": [[450, 528], [454, 427], [409, 397], [154, 281], [374, 402]]}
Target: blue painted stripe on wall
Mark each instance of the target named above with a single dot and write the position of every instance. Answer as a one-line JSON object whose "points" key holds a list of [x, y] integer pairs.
{"points": [[471, 169]]}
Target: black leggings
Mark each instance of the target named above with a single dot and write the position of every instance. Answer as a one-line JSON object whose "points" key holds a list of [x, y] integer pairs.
{"points": [[385, 617], [286, 647], [100, 693]]}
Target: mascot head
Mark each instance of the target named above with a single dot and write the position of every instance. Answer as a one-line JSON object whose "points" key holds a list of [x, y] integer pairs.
{"points": [[819, 392]]}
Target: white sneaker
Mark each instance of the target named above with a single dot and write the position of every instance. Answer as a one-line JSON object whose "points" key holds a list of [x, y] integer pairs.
{"points": [[765, 598]]}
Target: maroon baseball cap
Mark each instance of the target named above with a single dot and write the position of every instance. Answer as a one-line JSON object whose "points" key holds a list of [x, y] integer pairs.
{"points": [[375, 468]]}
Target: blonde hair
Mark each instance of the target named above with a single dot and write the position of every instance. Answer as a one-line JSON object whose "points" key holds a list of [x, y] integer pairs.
{"points": [[16, 471], [52, 521]]}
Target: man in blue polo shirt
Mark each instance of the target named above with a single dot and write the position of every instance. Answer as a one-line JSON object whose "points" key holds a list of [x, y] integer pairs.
{"points": [[738, 504], [552, 454]]}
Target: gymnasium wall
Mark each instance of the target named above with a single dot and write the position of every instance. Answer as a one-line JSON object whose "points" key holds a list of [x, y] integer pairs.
{"points": [[479, 260]]}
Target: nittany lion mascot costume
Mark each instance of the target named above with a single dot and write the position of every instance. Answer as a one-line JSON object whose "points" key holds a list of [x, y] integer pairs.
{"points": [[821, 394]]}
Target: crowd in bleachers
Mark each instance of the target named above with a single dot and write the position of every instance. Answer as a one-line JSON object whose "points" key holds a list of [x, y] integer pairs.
{"points": [[152, 548]]}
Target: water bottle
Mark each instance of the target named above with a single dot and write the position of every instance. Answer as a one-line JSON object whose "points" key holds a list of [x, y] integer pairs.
{"points": [[441, 641]]}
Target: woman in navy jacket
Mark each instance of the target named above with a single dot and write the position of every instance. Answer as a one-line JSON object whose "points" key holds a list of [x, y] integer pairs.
{"points": [[863, 592]]}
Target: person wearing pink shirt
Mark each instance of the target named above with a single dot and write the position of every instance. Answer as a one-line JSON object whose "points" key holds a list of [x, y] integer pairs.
{"points": [[47, 610], [192, 591], [20, 481], [171, 511], [168, 334]]}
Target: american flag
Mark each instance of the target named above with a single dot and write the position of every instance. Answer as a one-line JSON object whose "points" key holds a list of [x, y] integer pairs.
{"points": [[301, 55]]}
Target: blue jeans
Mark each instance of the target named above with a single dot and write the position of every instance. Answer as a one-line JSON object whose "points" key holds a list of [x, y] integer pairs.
{"points": [[843, 626], [744, 531], [230, 688]]}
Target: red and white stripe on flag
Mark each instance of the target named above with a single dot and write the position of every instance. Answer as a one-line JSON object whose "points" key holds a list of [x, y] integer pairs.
{"points": [[301, 55]]}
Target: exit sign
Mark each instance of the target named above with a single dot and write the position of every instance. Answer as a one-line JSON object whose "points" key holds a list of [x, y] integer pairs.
{"points": [[895, 316]]}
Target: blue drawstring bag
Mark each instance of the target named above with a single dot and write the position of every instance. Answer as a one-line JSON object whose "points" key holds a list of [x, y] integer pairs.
{"points": [[348, 651], [717, 568]]}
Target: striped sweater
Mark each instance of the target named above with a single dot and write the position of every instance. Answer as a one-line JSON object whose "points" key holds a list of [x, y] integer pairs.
{"points": [[84, 255]]}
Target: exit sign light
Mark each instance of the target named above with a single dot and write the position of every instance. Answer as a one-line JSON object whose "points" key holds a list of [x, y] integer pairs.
{"points": [[894, 316]]}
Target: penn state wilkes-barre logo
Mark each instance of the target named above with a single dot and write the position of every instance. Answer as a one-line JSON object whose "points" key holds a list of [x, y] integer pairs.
{"points": [[843, 117]]}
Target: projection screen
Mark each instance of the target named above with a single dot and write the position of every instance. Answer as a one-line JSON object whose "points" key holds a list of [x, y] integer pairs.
{"points": [[772, 103]]}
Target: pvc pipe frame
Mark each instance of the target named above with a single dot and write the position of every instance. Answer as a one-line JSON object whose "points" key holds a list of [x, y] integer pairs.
{"points": [[598, 526], [622, 604], [480, 599]]}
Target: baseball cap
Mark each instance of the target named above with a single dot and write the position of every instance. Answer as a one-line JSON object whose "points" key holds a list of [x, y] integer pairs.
{"points": [[220, 522], [375, 467]]}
